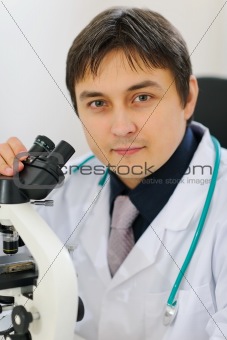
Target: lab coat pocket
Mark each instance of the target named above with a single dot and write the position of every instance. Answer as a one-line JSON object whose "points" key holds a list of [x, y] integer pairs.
{"points": [[195, 307]]}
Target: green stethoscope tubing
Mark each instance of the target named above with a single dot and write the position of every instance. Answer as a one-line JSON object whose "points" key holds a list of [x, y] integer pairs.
{"points": [[171, 300]]}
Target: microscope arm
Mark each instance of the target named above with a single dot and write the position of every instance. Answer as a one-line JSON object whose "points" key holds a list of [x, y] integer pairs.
{"points": [[55, 296]]}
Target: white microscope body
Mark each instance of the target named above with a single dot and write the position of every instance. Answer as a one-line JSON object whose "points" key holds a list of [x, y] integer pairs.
{"points": [[54, 303], [46, 308]]}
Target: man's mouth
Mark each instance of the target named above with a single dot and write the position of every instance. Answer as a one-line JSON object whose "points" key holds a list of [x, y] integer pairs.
{"points": [[126, 151]]}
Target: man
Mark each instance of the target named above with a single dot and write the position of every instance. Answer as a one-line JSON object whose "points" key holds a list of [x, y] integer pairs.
{"points": [[130, 80]]}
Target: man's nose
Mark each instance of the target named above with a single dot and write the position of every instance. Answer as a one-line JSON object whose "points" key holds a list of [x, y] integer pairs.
{"points": [[122, 124]]}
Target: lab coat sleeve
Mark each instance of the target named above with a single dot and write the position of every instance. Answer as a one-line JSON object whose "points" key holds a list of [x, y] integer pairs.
{"points": [[217, 325]]}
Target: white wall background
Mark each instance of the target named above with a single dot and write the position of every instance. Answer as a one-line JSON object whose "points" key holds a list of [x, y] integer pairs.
{"points": [[35, 36]]}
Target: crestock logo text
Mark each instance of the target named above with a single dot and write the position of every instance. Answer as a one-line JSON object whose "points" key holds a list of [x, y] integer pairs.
{"points": [[122, 170]]}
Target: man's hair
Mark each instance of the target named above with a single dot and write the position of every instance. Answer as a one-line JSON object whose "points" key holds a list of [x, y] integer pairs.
{"points": [[141, 34]]}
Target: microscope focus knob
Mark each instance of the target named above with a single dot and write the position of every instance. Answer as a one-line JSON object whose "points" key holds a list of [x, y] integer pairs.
{"points": [[21, 320]]}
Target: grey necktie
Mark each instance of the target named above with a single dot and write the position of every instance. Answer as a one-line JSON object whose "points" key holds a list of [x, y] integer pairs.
{"points": [[121, 238]]}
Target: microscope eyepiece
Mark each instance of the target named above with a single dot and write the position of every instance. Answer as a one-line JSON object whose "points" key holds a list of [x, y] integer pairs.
{"points": [[65, 150], [42, 144]]}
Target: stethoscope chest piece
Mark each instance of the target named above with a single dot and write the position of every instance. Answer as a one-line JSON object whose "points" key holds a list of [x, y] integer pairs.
{"points": [[170, 314]]}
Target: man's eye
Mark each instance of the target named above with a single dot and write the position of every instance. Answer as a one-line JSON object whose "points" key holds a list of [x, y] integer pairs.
{"points": [[97, 103], [142, 98]]}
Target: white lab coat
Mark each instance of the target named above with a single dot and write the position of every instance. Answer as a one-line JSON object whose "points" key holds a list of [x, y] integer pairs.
{"points": [[131, 305]]}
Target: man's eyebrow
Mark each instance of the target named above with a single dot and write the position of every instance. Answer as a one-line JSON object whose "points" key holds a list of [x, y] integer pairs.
{"points": [[147, 83], [90, 94]]}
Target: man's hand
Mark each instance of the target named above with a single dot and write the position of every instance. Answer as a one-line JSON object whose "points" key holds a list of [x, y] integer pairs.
{"points": [[8, 151]]}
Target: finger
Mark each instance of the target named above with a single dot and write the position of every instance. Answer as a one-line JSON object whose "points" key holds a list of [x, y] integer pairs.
{"points": [[19, 154], [8, 166], [4, 168], [18, 148], [7, 170]]}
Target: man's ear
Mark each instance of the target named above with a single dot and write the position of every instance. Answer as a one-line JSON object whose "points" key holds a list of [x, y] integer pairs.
{"points": [[192, 97]]}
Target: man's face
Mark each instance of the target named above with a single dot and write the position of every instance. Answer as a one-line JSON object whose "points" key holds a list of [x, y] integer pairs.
{"points": [[133, 119]]}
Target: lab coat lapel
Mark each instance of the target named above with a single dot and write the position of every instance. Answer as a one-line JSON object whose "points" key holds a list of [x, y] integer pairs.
{"points": [[96, 232], [142, 255], [189, 196], [94, 240]]}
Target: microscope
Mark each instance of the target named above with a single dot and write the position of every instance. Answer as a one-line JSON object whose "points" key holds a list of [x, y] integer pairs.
{"points": [[38, 287]]}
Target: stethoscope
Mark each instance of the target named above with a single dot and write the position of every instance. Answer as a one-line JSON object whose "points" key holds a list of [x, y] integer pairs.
{"points": [[172, 306]]}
